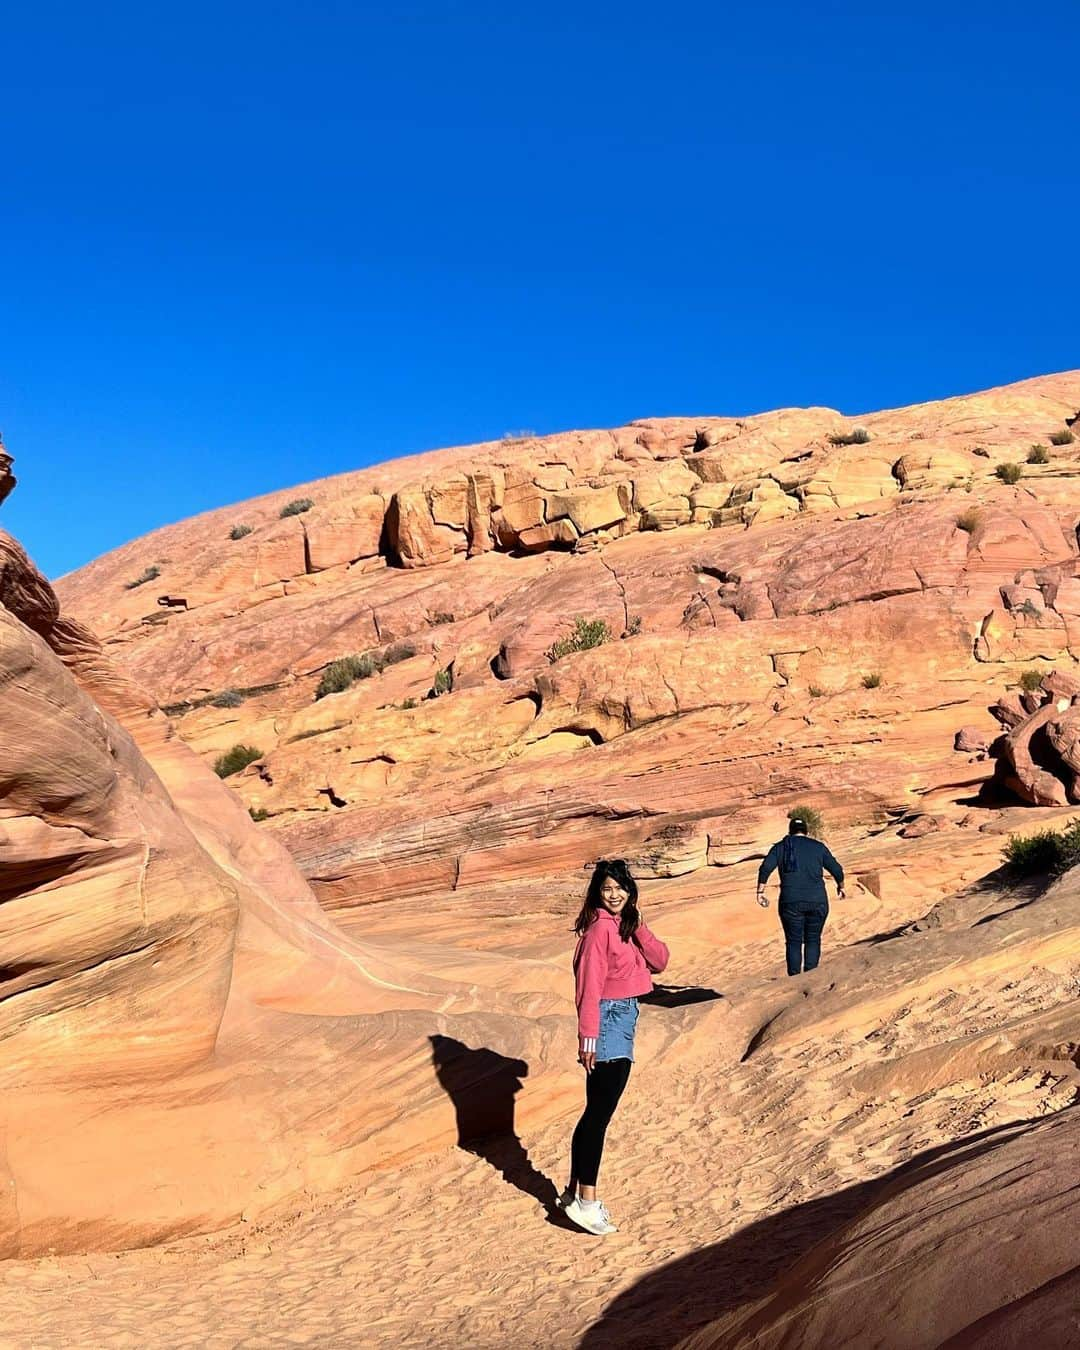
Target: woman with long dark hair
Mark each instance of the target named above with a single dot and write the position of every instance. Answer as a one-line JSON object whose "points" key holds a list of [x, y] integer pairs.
{"points": [[612, 964]]}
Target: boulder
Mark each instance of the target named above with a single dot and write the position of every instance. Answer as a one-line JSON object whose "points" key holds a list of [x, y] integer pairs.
{"points": [[337, 535], [972, 740], [413, 537], [1024, 758], [557, 534], [522, 507], [588, 508], [933, 467]]}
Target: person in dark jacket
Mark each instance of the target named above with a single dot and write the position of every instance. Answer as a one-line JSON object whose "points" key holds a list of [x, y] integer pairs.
{"points": [[804, 904]]}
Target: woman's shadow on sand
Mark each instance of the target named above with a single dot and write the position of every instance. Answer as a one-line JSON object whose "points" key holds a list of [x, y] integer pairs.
{"points": [[482, 1084]]}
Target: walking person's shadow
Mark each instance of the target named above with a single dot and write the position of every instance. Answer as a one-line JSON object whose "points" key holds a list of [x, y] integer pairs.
{"points": [[482, 1085]]}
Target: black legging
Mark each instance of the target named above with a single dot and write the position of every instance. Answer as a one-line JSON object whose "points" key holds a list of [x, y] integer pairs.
{"points": [[603, 1088]]}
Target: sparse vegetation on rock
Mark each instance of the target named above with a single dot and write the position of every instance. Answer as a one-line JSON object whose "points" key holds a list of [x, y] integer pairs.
{"points": [[815, 692], [859, 436], [239, 531], [587, 633], [1053, 851], [343, 672], [1009, 473], [872, 680], [232, 761], [1038, 454], [444, 682], [1063, 437], [297, 507], [815, 821], [258, 813], [150, 574], [968, 520], [346, 670], [633, 627], [1031, 680], [228, 698]]}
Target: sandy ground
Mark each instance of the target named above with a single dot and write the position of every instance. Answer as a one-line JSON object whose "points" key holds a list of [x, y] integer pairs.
{"points": [[719, 1172]]}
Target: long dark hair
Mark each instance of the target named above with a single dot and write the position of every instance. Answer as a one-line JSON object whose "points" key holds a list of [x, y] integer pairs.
{"points": [[788, 855], [618, 871]]}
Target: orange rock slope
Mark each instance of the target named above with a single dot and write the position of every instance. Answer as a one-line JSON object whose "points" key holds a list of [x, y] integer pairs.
{"points": [[792, 608], [754, 574]]}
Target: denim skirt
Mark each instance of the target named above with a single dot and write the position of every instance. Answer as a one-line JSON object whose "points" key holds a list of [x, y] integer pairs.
{"points": [[618, 1021]]}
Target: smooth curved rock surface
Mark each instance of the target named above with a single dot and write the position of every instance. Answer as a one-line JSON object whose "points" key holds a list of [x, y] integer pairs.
{"points": [[976, 1245]]}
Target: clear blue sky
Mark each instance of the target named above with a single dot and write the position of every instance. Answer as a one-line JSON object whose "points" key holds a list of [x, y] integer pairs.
{"points": [[244, 245]]}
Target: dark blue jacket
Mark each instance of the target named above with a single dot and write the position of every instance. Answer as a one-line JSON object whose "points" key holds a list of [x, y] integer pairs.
{"points": [[802, 862]]}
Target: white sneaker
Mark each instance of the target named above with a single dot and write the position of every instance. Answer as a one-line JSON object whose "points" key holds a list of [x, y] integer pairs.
{"points": [[593, 1218], [607, 1218]]}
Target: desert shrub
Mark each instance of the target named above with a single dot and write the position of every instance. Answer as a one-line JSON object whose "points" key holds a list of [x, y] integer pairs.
{"points": [[1009, 473], [228, 698], [1038, 454], [872, 681], [968, 520], [258, 812], [1053, 851], [397, 651], [587, 633], [339, 674], [442, 617], [444, 682], [1064, 437], [232, 761], [516, 437], [981, 451], [148, 575], [239, 531], [633, 627], [1031, 680], [815, 822], [409, 704], [815, 692], [859, 436], [297, 508], [346, 670]]}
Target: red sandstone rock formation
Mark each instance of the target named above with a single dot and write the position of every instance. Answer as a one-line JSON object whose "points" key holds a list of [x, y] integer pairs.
{"points": [[160, 962], [754, 574], [793, 616]]}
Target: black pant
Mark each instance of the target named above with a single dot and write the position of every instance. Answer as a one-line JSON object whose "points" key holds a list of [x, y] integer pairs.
{"points": [[603, 1088], [803, 921]]}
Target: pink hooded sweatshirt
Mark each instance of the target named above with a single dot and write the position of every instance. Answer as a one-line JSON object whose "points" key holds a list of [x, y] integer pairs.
{"points": [[607, 967]]}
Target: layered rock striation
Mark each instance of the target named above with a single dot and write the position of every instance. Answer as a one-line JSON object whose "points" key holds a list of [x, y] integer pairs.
{"points": [[797, 603]]}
